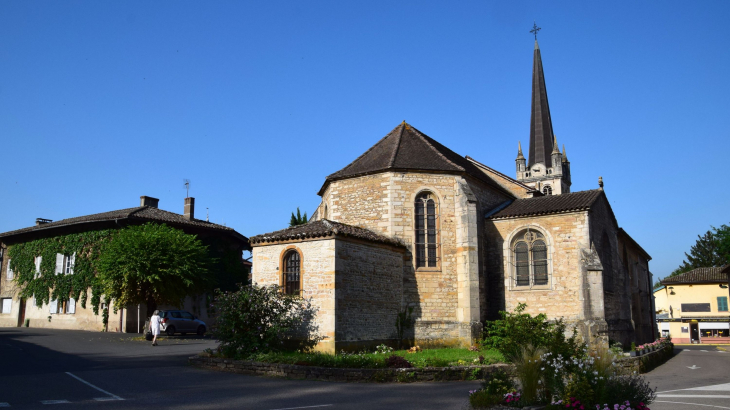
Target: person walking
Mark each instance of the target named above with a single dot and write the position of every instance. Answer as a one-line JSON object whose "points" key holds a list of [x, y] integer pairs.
{"points": [[155, 326]]}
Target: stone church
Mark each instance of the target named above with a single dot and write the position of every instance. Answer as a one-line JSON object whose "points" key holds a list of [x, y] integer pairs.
{"points": [[412, 225]]}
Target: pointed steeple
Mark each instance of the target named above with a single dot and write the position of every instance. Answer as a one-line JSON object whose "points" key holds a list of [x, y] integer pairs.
{"points": [[519, 151], [541, 126], [556, 150], [565, 157]]}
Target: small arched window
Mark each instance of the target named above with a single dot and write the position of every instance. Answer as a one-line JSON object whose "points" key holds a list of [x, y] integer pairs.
{"points": [[547, 190], [324, 216], [427, 230], [530, 259], [292, 269]]}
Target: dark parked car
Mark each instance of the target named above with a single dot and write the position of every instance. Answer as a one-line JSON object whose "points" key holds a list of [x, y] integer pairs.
{"points": [[180, 321]]}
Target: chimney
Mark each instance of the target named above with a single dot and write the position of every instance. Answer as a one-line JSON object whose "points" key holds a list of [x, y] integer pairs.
{"points": [[41, 221], [148, 201], [190, 208]]}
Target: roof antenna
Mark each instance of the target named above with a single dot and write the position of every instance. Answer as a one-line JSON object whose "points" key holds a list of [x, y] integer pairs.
{"points": [[207, 219], [186, 182]]}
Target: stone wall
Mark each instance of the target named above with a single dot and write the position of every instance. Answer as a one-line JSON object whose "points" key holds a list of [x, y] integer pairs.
{"points": [[566, 234], [292, 371], [617, 302], [317, 278], [368, 294]]}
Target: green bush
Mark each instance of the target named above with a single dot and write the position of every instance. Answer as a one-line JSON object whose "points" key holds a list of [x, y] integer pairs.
{"points": [[260, 319], [482, 399], [499, 383], [633, 388], [517, 328]]}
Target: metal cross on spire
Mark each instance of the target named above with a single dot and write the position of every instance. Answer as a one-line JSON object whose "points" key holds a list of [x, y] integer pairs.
{"points": [[535, 29]]}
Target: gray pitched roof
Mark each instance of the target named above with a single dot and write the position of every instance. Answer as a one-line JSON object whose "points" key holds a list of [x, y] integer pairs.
{"points": [[407, 149], [141, 213], [550, 204], [320, 229], [699, 275]]}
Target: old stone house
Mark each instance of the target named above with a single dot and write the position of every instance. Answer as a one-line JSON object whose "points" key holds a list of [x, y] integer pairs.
{"points": [[412, 224], [222, 241]]}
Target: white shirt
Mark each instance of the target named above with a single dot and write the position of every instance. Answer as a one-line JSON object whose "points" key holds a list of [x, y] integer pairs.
{"points": [[155, 324]]}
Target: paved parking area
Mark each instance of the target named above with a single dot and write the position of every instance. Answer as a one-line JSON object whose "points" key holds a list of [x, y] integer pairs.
{"points": [[696, 378], [79, 370]]}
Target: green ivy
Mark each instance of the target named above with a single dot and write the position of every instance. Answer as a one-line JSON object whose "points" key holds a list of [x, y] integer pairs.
{"points": [[48, 285]]}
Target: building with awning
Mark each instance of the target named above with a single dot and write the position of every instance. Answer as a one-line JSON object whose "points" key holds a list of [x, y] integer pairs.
{"points": [[693, 307]]}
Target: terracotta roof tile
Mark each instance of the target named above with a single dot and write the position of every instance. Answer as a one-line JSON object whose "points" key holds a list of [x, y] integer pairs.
{"points": [[320, 229], [144, 213], [699, 275], [550, 204], [408, 149]]}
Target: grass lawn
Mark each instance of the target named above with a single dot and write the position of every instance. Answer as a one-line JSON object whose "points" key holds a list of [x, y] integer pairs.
{"points": [[427, 358]]}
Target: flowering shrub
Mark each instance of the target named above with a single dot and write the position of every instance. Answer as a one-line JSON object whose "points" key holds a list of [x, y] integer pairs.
{"points": [[383, 349], [260, 319], [656, 344]]}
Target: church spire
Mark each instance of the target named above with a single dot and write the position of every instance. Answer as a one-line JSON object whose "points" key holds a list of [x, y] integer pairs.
{"points": [[519, 151], [541, 126]]}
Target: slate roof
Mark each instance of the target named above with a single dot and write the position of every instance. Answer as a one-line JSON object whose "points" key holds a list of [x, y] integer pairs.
{"points": [[549, 204], [541, 124], [699, 275], [407, 149], [141, 213], [320, 229]]}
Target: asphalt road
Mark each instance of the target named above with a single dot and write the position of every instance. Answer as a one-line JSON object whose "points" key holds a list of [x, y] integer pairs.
{"points": [[109, 371], [698, 377]]}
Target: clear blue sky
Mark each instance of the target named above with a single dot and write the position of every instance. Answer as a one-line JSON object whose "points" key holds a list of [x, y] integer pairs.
{"points": [[256, 102]]}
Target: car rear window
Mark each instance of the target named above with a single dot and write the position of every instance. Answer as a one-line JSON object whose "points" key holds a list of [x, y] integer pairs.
{"points": [[186, 315], [162, 313], [176, 315]]}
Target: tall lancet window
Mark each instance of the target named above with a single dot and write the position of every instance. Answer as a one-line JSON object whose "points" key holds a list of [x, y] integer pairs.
{"points": [[427, 242], [530, 259]]}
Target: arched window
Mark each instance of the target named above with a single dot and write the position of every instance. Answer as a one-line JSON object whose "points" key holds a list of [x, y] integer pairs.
{"points": [[292, 278], [324, 214], [427, 232], [547, 190], [607, 262], [530, 259]]}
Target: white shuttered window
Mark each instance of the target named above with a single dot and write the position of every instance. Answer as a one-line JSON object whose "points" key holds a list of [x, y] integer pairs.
{"points": [[6, 306], [9, 272], [53, 307], [59, 263], [37, 261], [71, 306]]}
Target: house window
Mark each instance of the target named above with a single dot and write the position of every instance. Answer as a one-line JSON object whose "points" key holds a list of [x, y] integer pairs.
{"points": [[66, 307], [6, 306], [606, 261], [37, 260], [65, 264], [722, 303], [547, 190], [292, 276], [9, 272], [427, 233], [530, 259]]}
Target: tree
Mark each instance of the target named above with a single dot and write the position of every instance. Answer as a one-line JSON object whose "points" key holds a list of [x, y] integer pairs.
{"points": [[298, 219], [722, 234], [711, 250], [153, 264]]}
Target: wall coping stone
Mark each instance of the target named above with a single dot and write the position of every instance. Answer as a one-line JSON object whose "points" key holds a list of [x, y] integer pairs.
{"points": [[384, 375]]}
